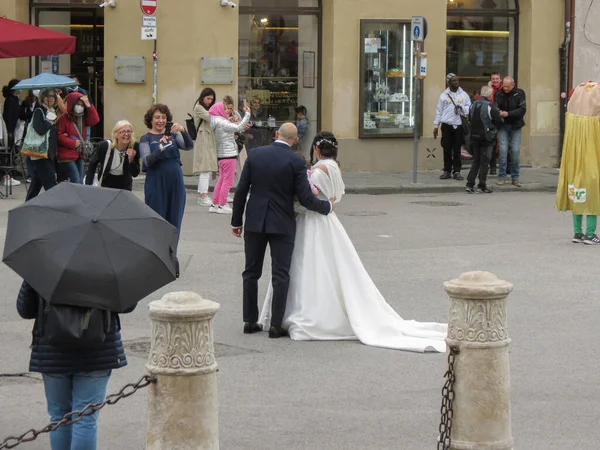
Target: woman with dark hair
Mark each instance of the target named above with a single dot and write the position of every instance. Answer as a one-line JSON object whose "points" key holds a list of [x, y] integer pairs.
{"points": [[159, 150], [331, 295], [205, 149], [10, 109]]}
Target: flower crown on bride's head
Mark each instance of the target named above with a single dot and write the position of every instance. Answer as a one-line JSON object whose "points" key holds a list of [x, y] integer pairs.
{"points": [[326, 141]]}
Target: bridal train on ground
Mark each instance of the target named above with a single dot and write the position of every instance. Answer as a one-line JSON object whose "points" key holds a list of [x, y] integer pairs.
{"points": [[331, 295]]}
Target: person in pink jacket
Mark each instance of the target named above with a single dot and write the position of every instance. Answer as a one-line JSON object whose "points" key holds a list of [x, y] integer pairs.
{"points": [[72, 135]]}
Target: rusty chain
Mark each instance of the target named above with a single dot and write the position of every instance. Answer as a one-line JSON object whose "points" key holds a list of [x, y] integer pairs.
{"points": [[76, 416], [447, 410]]}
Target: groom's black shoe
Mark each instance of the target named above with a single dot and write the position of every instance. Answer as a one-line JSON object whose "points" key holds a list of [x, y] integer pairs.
{"points": [[252, 327], [277, 332]]}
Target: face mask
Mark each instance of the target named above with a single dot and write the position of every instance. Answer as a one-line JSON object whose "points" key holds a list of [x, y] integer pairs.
{"points": [[78, 109]]}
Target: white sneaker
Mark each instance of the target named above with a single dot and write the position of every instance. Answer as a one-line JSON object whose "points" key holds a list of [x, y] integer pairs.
{"points": [[225, 209], [213, 208], [12, 181], [204, 201], [229, 198]]}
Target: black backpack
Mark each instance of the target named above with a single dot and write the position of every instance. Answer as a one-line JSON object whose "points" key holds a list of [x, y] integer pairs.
{"points": [[72, 327]]}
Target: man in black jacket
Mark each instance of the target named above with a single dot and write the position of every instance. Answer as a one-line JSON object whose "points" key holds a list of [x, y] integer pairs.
{"points": [[485, 117], [276, 174], [511, 102]]}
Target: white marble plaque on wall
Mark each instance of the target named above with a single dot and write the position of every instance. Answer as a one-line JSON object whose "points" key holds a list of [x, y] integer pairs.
{"points": [[216, 70], [130, 69]]}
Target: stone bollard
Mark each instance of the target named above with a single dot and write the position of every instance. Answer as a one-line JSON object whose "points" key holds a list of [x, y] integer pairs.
{"points": [[478, 328], [182, 404]]}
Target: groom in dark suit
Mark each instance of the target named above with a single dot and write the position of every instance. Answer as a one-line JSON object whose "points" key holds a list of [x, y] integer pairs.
{"points": [[276, 174]]}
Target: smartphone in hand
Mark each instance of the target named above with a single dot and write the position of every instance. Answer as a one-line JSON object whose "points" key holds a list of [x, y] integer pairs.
{"points": [[168, 129]]}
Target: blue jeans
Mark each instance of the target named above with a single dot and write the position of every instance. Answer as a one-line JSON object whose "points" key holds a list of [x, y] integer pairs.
{"points": [[74, 171], [509, 136], [72, 392]]}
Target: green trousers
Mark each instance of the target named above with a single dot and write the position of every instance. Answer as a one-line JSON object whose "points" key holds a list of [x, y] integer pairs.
{"points": [[590, 228]]}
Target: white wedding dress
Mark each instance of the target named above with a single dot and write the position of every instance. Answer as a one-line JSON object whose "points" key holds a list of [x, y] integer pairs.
{"points": [[331, 295]]}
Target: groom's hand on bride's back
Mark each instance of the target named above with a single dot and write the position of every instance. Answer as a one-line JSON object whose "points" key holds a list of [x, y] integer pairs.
{"points": [[332, 202]]}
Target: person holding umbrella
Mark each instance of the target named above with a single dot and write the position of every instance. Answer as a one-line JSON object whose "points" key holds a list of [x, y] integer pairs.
{"points": [[164, 189], [76, 298], [73, 377]]}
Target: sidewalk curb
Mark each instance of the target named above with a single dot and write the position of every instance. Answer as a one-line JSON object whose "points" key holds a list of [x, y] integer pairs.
{"points": [[426, 189]]}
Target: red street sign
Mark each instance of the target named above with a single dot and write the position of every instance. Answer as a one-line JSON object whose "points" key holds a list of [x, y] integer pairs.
{"points": [[149, 7]]}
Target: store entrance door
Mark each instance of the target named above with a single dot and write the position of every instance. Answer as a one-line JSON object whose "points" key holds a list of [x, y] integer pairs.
{"points": [[87, 63]]}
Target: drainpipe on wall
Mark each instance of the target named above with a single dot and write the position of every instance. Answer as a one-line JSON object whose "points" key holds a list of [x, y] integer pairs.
{"points": [[566, 68]]}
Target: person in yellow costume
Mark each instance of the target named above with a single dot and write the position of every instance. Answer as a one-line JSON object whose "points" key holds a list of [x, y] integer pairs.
{"points": [[579, 184]]}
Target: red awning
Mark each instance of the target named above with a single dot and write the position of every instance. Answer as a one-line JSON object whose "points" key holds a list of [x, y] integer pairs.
{"points": [[19, 40]]}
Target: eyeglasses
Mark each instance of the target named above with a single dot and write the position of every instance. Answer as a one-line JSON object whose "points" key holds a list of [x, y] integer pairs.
{"points": [[125, 132]]}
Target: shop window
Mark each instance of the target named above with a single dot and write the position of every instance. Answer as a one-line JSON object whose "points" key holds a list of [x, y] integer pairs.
{"points": [[387, 100], [278, 74], [481, 39]]}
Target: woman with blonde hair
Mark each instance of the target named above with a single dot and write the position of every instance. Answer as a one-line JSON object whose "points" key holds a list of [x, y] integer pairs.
{"points": [[118, 158]]}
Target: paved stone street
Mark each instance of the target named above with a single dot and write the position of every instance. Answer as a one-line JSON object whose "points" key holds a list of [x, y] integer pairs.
{"points": [[346, 396]]}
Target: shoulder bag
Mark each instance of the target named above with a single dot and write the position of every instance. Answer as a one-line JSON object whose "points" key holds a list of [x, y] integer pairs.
{"points": [[466, 126], [34, 144]]}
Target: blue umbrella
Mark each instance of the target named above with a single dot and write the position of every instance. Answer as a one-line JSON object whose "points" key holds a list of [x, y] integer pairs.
{"points": [[45, 80]]}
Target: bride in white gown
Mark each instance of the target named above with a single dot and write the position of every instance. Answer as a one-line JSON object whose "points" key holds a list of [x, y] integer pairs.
{"points": [[331, 296]]}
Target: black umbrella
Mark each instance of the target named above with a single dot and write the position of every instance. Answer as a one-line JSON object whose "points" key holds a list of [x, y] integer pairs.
{"points": [[90, 246]]}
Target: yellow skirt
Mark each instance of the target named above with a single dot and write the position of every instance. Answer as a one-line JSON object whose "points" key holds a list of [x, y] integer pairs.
{"points": [[579, 183]]}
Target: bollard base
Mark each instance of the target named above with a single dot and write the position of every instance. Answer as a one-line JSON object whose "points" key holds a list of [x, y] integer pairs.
{"points": [[183, 414], [504, 445]]}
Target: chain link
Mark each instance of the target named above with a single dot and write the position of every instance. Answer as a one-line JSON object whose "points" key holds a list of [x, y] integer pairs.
{"points": [[76, 416], [447, 409]]}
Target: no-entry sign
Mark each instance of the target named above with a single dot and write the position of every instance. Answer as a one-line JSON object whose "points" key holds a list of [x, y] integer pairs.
{"points": [[149, 7]]}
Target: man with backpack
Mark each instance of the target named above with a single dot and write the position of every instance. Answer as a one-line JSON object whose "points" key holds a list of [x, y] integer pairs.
{"points": [[485, 117]]}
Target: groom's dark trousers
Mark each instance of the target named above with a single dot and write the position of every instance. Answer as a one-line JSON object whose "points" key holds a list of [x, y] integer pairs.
{"points": [[282, 247], [272, 175]]}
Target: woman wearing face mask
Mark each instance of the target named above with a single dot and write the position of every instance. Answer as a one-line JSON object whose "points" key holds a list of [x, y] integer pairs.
{"points": [[205, 149], [43, 121], [72, 134], [118, 158]]}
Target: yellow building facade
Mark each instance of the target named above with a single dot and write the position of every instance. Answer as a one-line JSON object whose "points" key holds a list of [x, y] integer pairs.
{"points": [[348, 62]]}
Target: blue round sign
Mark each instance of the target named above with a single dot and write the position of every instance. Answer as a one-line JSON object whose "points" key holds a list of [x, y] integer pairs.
{"points": [[417, 32]]}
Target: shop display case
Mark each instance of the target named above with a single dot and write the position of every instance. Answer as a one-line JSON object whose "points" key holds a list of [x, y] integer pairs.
{"points": [[388, 87]]}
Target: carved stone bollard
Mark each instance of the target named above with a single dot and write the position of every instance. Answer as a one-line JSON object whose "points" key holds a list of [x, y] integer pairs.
{"points": [[478, 327], [182, 404]]}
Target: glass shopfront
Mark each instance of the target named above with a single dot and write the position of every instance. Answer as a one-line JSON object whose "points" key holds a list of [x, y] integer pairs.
{"points": [[278, 67], [387, 105], [84, 20], [482, 39]]}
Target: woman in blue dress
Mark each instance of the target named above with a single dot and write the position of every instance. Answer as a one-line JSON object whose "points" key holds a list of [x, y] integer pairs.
{"points": [[159, 151]]}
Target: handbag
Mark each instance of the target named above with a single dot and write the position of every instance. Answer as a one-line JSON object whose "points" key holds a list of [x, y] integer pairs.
{"points": [[191, 128], [86, 148], [34, 144]]}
